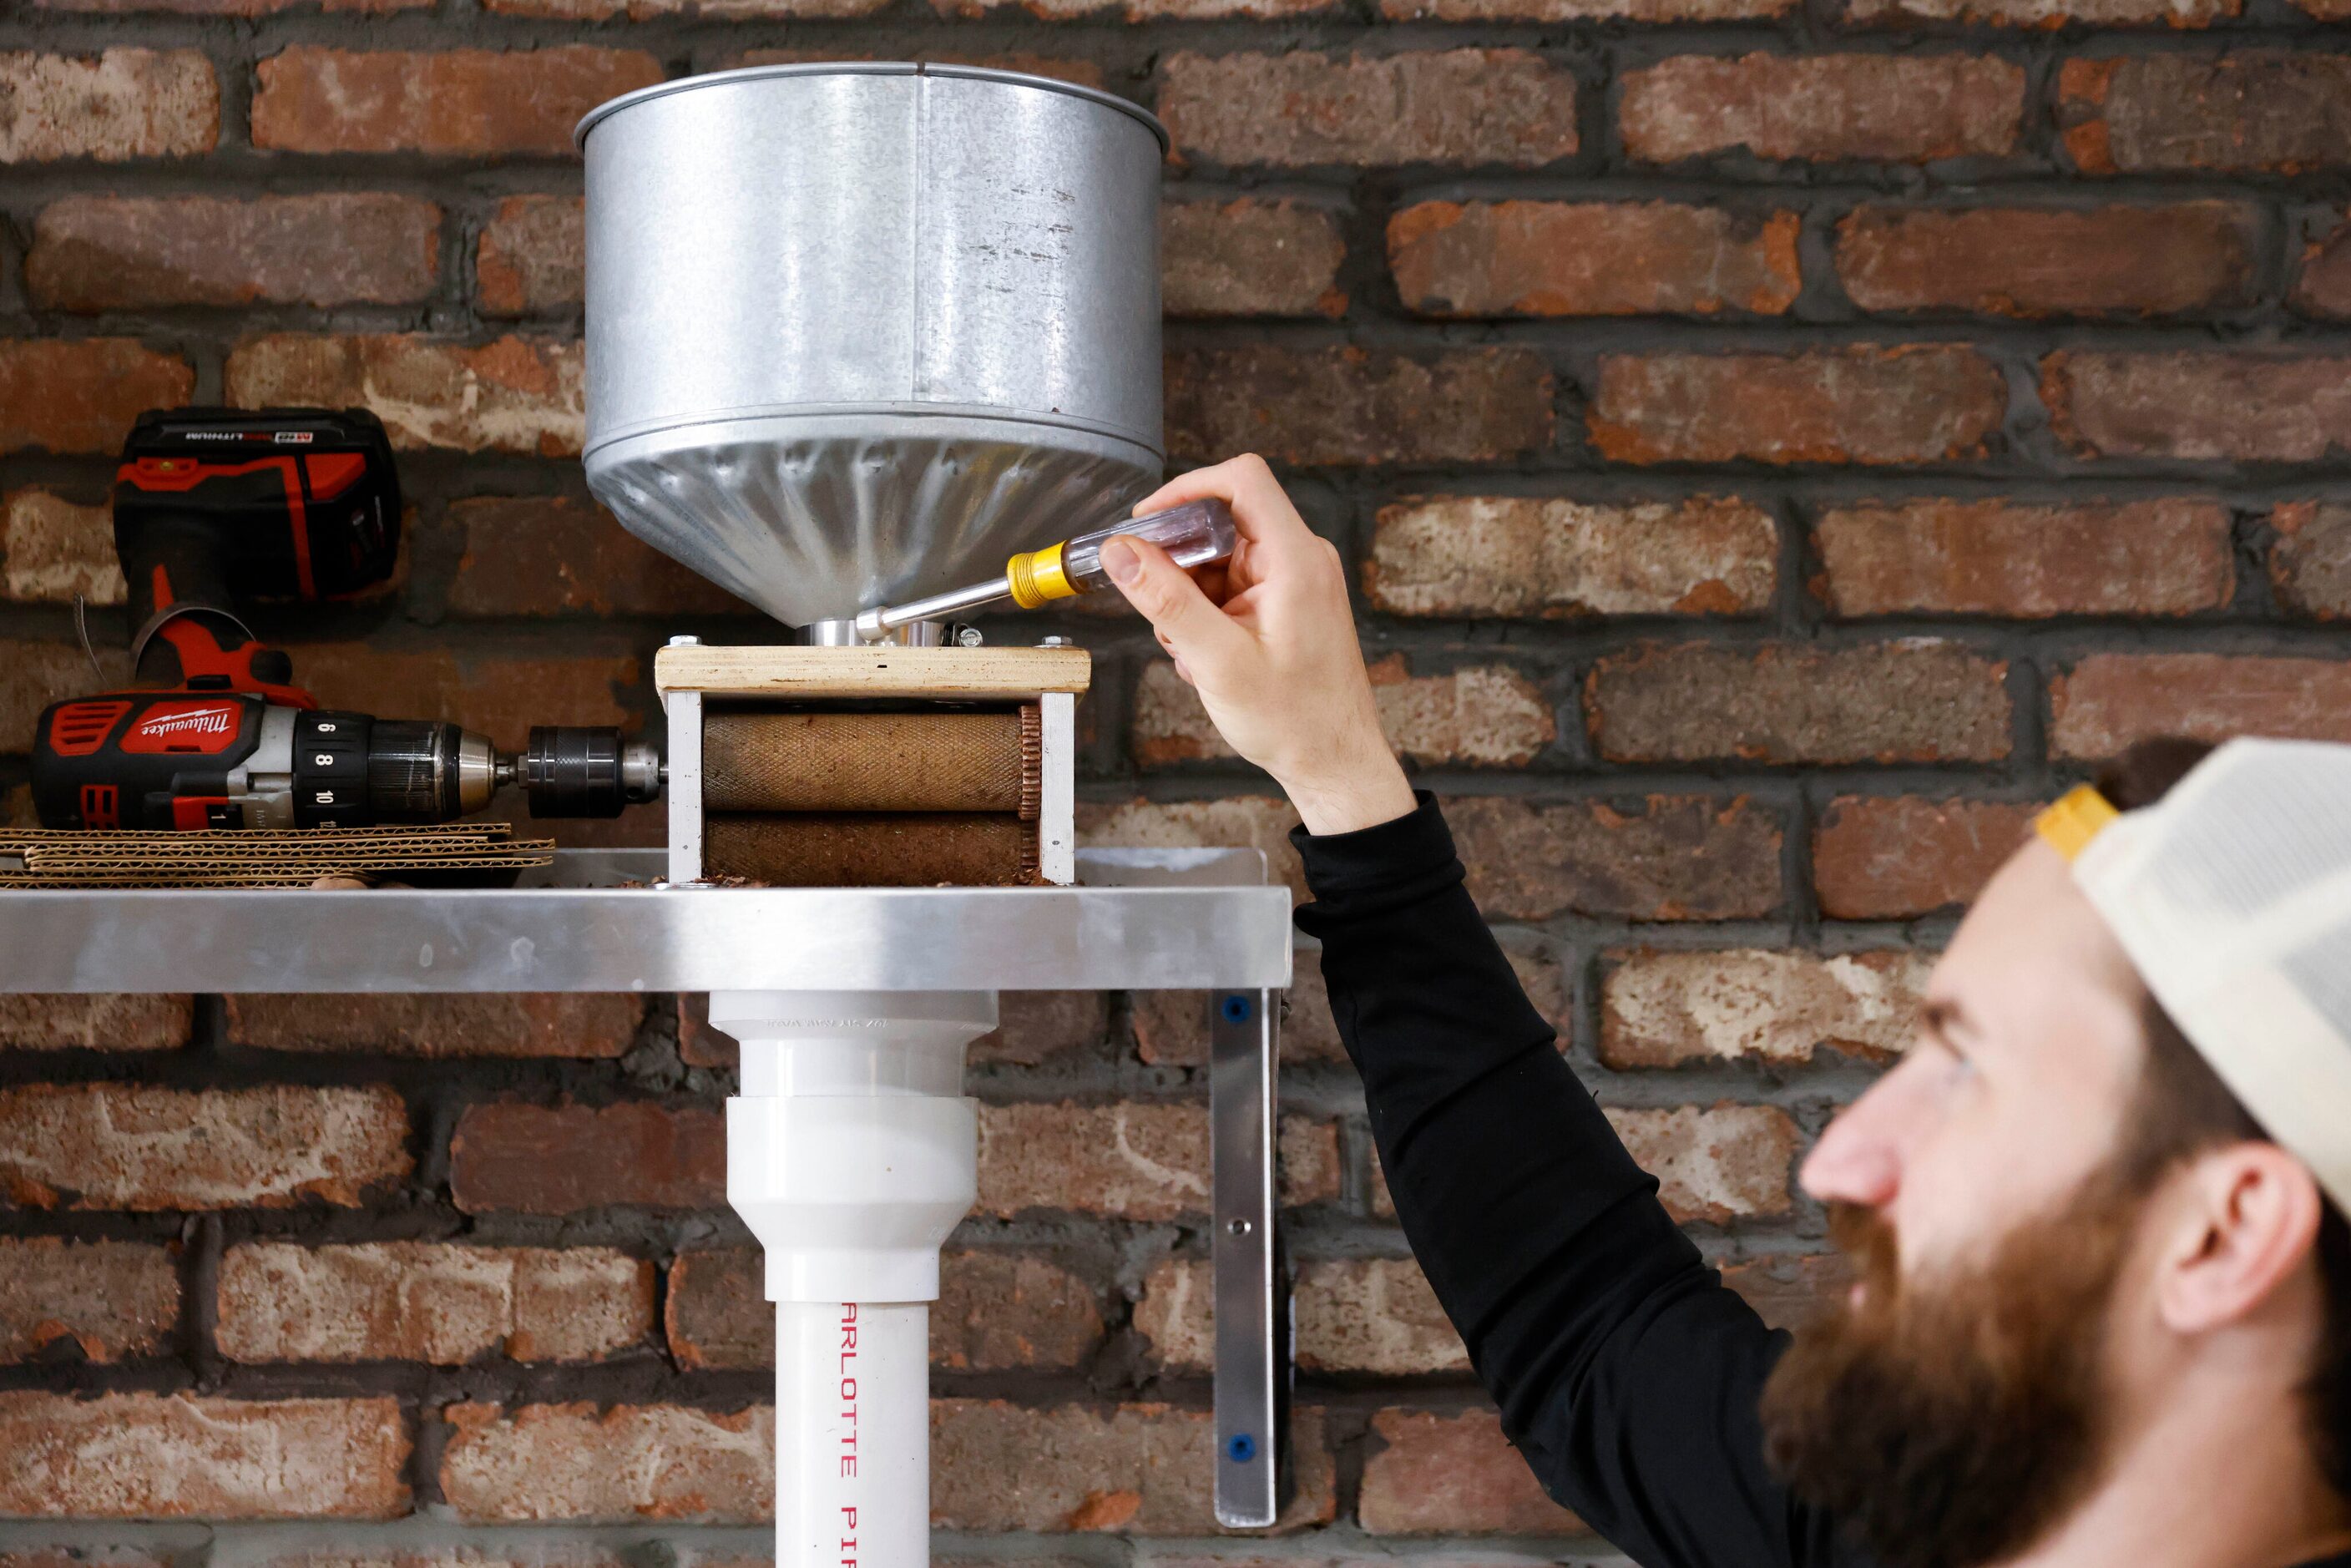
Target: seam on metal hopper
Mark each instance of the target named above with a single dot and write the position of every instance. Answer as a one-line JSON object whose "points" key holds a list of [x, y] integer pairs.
{"points": [[920, 215], [995, 413]]}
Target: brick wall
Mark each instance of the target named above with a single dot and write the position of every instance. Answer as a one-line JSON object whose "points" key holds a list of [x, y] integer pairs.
{"points": [[1782, 441]]}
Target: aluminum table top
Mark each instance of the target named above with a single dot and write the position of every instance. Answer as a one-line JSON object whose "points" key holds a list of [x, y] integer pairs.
{"points": [[1157, 919]]}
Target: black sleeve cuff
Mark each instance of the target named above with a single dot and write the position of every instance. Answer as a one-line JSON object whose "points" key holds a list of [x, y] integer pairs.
{"points": [[1377, 868]]}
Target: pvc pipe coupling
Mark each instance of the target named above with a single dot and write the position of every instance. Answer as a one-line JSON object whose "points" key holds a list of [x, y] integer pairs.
{"points": [[852, 1151]]}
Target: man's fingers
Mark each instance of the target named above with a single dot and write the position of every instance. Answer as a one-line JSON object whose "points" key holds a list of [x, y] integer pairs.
{"points": [[1262, 512], [1187, 623]]}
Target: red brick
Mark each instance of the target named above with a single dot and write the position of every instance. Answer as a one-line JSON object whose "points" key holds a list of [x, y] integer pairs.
{"points": [[2322, 283], [2044, 14], [551, 554], [1679, 858], [452, 103], [2251, 407], [1085, 73], [113, 253], [717, 1312], [556, 1552], [2167, 557], [499, 696], [1328, 407], [1525, 558], [1034, 1027], [1591, 258], [128, 1145], [538, 1464], [1242, 822], [2035, 262], [1001, 1311], [1375, 1316], [2285, 113], [1674, 1009], [653, 10], [516, 394], [1890, 108], [532, 256], [1914, 701], [35, 674], [1131, 1161], [2106, 701], [1582, 10], [1250, 256], [1488, 716], [431, 1300], [52, 550], [2310, 564], [1171, 1027], [1721, 1163], [1892, 857], [559, 1159], [1453, 1475], [114, 1299], [31, 1020], [1921, 403], [1138, 1469], [140, 1456], [1791, 1292], [520, 1023], [996, 1312], [80, 395], [112, 107], [84, 1557], [1368, 1315], [1483, 106]]}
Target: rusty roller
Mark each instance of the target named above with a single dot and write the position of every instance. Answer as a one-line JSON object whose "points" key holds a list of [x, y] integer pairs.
{"points": [[868, 849], [838, 762]]}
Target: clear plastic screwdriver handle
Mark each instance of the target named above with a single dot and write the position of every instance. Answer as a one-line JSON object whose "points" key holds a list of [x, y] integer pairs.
{"points": [[1196, 533]]}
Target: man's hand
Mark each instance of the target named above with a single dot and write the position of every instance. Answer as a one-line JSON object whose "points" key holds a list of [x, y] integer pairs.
{"points": [[1269, 641]]}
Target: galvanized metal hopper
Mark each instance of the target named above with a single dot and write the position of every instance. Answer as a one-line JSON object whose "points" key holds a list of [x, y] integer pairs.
{"points": [[857, 332]]}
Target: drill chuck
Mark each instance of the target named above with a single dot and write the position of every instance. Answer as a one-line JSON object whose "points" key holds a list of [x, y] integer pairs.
{"points": [[577, 772], [421, 771]]}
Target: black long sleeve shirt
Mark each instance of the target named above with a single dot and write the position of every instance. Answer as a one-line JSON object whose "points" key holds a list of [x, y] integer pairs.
{"points": [[1626, 1373]]}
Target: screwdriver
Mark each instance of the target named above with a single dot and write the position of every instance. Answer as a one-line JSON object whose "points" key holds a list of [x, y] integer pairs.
{"points": [[1197, 533]]}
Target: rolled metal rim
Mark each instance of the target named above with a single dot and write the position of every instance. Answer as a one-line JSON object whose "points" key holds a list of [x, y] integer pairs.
{"points": [[605, 110]]}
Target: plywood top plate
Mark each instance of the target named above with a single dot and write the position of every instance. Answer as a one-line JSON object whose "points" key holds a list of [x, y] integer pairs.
{"points": [[876, 672]]}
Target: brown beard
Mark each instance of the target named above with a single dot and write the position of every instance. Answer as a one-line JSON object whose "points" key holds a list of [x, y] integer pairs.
{"points": [[1953, 1421]]}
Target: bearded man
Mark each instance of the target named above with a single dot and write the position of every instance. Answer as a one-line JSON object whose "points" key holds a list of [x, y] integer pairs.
{"points": [[2101, 1313]]}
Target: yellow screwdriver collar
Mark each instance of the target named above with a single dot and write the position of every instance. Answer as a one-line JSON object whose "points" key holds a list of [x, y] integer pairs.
{"points": [[1038, 575], [2078, 816]]}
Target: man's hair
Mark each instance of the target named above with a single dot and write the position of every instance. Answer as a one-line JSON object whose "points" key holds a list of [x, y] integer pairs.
{"points": [[2182, 1108]]}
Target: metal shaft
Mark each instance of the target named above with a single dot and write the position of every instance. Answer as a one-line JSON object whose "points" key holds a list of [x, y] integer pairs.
{"points": [[873, 625]]}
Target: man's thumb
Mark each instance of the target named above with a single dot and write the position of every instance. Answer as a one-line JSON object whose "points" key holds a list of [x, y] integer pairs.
{"points": [[1166, 595]]}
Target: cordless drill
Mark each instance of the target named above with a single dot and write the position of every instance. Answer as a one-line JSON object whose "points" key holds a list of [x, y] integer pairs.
{"points": [[295, 503]]}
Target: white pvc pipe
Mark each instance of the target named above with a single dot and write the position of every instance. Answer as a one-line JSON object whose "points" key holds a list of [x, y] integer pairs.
{"points": [[852, 1434], [850, 1153]]}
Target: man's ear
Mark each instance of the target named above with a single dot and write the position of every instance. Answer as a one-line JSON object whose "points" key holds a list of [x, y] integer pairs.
{"points": [[2245, 1216]]}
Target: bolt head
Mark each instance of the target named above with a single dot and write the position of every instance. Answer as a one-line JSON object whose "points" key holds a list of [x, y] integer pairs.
{"points": [[968, 637], [683, 641], [1056, 642]]}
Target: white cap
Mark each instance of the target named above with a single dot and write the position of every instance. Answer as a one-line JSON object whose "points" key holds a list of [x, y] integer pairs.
{"points": [[2232, 898]]}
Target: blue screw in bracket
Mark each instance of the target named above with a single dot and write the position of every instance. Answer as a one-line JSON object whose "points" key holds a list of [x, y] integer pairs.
{"points": [[1240, 1447], [1238, 1008]]}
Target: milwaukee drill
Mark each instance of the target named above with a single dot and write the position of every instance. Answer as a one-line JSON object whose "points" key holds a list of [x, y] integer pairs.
{"points": [[211, 504]]}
